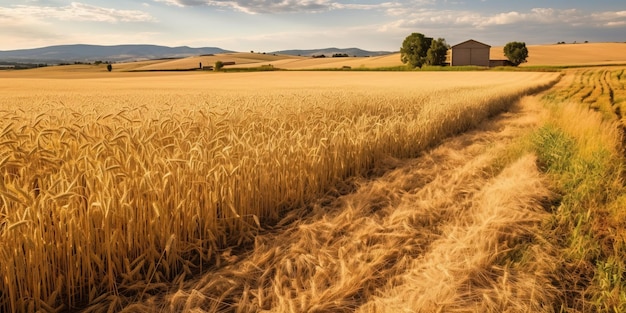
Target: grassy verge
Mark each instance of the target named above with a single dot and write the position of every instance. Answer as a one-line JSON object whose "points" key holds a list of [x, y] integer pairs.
{"points": [[582, 153]]}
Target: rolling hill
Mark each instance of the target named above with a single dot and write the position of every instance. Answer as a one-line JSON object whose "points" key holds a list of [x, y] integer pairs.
{"points": [[127, 53], [91, 53], [353, 52]]}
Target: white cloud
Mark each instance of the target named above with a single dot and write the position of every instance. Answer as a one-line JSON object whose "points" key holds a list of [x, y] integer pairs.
{"points": [[610, 19], [538, 16], [280, 6], [75, 11], [24, 29], [36, 25], [616, 24], [356, 6], [171, 2], [609, 15], [258, 6], [22, 37]]}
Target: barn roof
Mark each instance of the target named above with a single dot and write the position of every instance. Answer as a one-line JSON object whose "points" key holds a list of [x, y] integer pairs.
{"points": [[471, 41]]}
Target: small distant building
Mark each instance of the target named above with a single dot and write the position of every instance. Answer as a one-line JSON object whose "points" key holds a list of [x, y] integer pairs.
{"points": [[470, 52]]}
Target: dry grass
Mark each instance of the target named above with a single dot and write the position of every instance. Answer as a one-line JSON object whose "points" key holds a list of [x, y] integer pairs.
{"points": [[112, 189], [581, 147]]}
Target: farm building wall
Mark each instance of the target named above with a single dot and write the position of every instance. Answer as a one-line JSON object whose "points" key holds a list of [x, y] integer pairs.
{"points": [[470, 52]]}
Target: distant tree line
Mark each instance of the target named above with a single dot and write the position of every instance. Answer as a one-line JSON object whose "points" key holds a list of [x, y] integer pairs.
{"points": [[335, 55], [85, 63], [20, 66], [563, 42]]}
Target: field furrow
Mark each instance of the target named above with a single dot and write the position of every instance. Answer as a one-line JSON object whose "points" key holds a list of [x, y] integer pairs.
{"points": [[600, 89]]}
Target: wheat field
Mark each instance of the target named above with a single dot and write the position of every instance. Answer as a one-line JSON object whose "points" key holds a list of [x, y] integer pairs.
{"points": [[448, 231], [114, 188]]}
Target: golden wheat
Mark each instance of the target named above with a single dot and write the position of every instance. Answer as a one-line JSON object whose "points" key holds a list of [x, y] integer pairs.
{"points": [[364, 250], [113, 188]]}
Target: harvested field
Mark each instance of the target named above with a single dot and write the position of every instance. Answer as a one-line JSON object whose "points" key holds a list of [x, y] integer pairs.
{"points": [[600, 89], [571, 54], [116, 191]]}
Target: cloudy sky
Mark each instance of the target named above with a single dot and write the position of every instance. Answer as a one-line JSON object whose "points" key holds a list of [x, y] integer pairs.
{"points": [[271, 25]]}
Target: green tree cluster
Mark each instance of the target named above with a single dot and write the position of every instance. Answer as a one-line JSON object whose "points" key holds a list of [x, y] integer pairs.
{"points": [[418, 50], [516, 52], [219, 65]]}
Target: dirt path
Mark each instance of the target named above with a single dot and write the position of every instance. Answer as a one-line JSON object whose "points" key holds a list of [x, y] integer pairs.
{"points": [[453, 230]]}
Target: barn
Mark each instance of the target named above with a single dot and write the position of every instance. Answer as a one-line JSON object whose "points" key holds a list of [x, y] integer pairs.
{"points": [[470, 52]]}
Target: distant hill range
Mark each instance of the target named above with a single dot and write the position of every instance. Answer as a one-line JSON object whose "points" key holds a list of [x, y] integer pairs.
{"points": [[92, 53], [330, 51], [124, 53]]}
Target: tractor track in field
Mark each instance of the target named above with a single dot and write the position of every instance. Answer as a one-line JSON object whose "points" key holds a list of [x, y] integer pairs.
{"points": [[454, 230]]}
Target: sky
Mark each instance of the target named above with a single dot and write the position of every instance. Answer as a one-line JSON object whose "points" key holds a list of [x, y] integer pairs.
{"points": [[273, 25]]}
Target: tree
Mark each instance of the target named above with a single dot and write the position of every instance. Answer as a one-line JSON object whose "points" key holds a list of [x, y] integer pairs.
{"points": [[437, 52], [414, 49], [219, 65], [516, 52], [109, 67]]}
